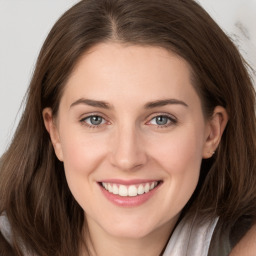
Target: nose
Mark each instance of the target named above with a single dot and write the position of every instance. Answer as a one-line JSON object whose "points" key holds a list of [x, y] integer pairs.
{"points": [[128, 150]]}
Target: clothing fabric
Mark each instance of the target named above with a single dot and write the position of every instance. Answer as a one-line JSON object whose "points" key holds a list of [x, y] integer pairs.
{"points": [[191, 237], [5, 228]]}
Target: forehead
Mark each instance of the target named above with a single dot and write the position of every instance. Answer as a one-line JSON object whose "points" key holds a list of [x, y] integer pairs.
{"points": [[116, 71]]}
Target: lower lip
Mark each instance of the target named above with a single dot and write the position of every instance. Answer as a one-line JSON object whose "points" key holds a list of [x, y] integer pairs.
{"points": [[129, 201]]}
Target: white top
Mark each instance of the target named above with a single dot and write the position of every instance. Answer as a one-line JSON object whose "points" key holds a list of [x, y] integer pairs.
{"points": [[191, 237], [5, 228]]}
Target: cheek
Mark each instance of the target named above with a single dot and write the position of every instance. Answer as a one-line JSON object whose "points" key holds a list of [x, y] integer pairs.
{"points": [[180, 157], [179, 152], [82, 156], [82, 153]]}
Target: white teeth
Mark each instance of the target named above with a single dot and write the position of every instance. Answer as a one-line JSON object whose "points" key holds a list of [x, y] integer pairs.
{"points": [[132, 190], [110, 189], [147, 188], [122, 190], [141, 190], [115, 189], [153, 184]]}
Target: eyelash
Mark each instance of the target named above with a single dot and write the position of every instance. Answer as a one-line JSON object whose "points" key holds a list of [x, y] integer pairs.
{"points": [[170, 121]]}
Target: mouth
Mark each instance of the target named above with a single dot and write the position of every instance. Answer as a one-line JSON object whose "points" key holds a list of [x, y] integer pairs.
{"points": [[131, 190]]}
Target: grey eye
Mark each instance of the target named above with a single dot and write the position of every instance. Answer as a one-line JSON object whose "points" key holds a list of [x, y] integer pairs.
{"points": [[161, 120], [95, 120]]}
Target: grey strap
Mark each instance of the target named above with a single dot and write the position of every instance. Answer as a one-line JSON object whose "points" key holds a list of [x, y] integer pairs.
{"points": [[191, 238]]}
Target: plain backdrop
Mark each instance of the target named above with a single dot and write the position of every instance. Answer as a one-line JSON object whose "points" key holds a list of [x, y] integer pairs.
{"points": [[24, 24]]}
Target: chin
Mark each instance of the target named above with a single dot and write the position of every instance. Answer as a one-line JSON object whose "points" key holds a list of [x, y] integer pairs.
{"points": [[130, 230]]}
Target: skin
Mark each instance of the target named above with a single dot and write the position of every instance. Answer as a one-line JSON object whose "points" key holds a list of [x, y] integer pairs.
{"points": [[130, 144]]}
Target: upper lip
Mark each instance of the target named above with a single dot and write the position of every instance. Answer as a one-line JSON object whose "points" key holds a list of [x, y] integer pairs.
{"points": [[129, 182]]}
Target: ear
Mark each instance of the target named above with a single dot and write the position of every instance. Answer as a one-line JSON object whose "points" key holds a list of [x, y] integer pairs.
{"points": [[214, 129], [52, 129]]}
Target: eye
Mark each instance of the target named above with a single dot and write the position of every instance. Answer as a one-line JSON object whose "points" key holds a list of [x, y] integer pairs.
{"points": [[93, 121], [162, 121]]}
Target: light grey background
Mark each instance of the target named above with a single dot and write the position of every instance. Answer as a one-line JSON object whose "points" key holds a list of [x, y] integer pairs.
{"points": [[24, 24]]}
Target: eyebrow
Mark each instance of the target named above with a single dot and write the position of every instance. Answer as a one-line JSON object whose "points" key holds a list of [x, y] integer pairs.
{"points": [[161, 103], [93, 103], [149, 105]]}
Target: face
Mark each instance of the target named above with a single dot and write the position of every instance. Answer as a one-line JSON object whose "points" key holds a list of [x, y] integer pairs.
{"points": [[131, 133]]}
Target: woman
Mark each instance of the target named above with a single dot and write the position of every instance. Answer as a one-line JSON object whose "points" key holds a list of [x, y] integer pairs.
{"points": [[138, 137]]}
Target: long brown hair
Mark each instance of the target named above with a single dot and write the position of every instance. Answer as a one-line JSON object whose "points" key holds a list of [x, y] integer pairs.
{"points": [[34, 193]]}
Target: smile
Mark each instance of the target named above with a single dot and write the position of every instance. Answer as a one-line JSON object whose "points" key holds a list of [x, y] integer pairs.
{"points": [[129, 190], [129, 193]]}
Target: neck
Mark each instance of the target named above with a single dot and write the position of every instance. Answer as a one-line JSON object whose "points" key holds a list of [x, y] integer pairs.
{"points": [[100, 243]]}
